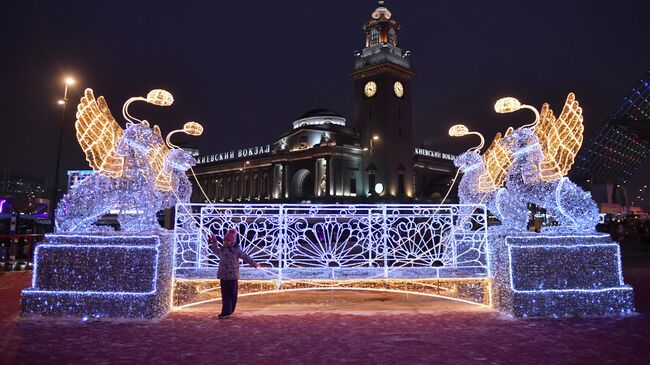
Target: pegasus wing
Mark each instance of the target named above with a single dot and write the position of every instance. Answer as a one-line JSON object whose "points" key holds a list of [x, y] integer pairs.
{"points": [[98, 134], [561, 139], [156, 158], [497, 159]]}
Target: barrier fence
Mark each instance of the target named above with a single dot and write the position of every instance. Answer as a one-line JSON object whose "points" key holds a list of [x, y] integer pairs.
{"points": [[311, 241]]}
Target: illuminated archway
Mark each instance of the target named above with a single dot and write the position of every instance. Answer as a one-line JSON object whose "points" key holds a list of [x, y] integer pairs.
{"points": [[301, 184]]}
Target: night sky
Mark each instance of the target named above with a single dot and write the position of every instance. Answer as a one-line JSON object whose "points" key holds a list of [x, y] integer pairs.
{"points": [[247, 69]]}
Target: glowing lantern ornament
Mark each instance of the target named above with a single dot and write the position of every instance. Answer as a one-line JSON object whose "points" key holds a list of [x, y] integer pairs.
{"points": [[460, 130], [160, 97], [507, 105]]}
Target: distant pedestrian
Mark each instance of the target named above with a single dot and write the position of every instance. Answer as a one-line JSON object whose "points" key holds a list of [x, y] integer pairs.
{"points": [[228, 273]]}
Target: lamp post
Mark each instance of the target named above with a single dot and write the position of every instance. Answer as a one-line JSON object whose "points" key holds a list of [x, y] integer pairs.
{"points": [[371, 167], [243, 180], [63, 102]]}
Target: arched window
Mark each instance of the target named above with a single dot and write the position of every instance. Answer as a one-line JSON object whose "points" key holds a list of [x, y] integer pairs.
{"points": [[392, 37], [374, 36]]}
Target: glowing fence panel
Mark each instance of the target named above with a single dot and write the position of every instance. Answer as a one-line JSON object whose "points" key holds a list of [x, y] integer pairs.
{"points": [[328, 236], [259, 230], [336, 241]]}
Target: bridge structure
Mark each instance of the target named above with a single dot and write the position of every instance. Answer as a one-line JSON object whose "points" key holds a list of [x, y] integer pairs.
{"points": [[434, 250]]}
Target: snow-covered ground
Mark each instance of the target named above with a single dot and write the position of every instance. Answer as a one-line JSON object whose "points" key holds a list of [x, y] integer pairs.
{"points": [[330, 327]]}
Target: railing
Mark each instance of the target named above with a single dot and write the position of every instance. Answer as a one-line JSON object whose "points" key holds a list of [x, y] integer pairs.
{"points": [[309, 241]]}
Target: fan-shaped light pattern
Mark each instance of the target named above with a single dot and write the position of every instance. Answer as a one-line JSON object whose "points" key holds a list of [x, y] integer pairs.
{"points": [[98, 134], [497, 159], [156, 158], [560, 139], [304, 241]]}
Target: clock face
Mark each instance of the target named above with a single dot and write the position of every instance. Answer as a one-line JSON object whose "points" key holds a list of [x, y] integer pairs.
{"points": [[399, 89], [370, 89]]}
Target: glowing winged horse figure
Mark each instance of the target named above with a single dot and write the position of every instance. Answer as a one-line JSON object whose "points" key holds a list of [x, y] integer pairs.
{"points": [[544, 152], [137, 173], [483, 175], [529, 165]]}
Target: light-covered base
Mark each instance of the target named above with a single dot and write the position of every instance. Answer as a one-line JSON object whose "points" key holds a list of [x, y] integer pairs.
{"points": [[557, 274], [189, 292], [115, 275]]}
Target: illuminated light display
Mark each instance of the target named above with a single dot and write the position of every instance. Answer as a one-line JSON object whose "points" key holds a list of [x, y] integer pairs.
{"points": [[191, 292], [96, 276], [151, 175], [497, 159], [549, 275], [536, 174], [296, 241], [560, 139], [156, 158], [507, 105], [475, 186], [160, 97], [532, 161], [98, 134]]}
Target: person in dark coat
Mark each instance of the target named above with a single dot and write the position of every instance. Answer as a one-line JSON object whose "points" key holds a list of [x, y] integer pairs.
{"points": [[228, 273]]}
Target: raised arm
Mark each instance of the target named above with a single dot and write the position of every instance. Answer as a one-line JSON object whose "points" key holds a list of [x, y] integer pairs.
{"points": [[212, 241], [247, 259]]}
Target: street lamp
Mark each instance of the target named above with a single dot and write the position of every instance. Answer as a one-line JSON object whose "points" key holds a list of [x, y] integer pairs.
{"points": [[68, 81], [243, 180], [371, 167]]}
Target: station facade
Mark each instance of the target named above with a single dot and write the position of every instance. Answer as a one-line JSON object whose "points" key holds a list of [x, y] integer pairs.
{"points": [[324, 159]]}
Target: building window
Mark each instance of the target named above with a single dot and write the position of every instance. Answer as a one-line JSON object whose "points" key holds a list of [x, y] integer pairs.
{"points": [[303, 142], [400, 184], [256, 186], [353, 186], [392, 37], [374, 36], [247, 188], [267, 187]]}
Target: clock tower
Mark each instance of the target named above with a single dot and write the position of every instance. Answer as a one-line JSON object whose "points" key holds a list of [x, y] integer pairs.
{"points": [[382, 89]]}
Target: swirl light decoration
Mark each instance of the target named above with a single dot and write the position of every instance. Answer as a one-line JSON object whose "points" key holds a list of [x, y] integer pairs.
{"points": [[402, 247]]}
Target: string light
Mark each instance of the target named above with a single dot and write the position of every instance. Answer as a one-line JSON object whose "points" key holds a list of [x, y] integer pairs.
{"points": [[98, 134], [138, 173], [85, 276], [560, 139], [341, 246], [551, 275], [191, 292], [497, 159], [543, 153]]}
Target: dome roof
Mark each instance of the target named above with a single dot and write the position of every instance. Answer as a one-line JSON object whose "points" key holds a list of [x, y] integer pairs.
{"points": [[381, 12], [319, 117], [320, 113]]}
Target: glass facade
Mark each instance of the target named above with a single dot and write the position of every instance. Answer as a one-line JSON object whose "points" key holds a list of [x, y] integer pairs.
{"points": [[620, 146]]}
